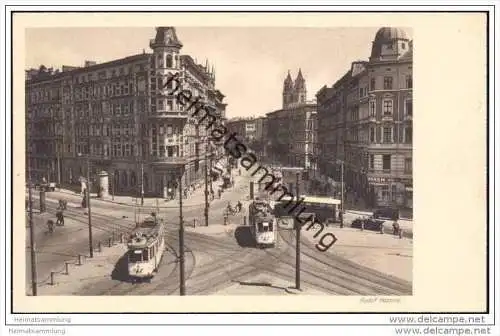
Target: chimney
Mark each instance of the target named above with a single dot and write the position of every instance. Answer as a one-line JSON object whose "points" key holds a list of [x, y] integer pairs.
{"points": [[90, 63]]}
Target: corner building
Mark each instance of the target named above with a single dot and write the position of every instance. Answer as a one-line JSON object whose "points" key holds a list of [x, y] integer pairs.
{"points": [[123, 118], [365, 121]]}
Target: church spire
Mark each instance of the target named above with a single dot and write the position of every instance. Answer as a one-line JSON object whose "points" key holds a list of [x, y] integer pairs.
{"points": [[300, 81], [288, 82]]}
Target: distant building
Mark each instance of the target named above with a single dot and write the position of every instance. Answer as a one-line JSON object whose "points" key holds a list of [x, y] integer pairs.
{"points": [[365, 121], [249, 130], [291, 131], [122, 115]]}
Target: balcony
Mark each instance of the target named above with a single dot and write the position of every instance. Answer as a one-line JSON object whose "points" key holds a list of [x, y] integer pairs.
{"points": [[400, 173], [168, 160], [169, 114], [390, 146]]}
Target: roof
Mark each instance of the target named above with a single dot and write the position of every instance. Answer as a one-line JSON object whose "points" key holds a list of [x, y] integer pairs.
{"points": [[145, 233], [166, 36], [80, 70], [386, 34]]}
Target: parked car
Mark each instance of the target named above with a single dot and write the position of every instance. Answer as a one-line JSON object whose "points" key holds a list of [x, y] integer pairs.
{"points": [[46, 186], [370, 224], [387, 213]]}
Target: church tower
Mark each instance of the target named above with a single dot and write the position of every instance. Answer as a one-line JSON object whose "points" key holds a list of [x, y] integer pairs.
{"points": [[300, 89], [287, 91]]}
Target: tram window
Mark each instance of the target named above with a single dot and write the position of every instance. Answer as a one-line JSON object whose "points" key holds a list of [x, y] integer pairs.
{"points": [[145, 255], [265, 228], [152, 252], [135, 256]]}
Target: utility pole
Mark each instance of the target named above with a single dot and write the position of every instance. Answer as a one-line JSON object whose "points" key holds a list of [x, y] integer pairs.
{"points": [[298, 226], [182, 287], [32, 234], [342, 193], [142, 183], [206, 182], [113, 187], [91, 245]]}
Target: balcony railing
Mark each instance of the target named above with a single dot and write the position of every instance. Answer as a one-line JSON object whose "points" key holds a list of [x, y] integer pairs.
{"points": [[168, 159]]}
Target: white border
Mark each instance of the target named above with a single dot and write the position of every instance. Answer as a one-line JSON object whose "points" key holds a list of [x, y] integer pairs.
{"points": [[224, 318]]}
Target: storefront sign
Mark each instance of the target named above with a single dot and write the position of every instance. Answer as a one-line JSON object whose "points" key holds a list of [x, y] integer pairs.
{"points": [[377, 179]]}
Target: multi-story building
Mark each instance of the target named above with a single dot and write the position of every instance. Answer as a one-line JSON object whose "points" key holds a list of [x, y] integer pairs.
{"points": [[249, 129], [365, 123], [291, 131], [123, 119]]}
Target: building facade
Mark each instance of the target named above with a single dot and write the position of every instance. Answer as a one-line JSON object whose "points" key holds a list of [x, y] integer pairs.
{"points": [[365, 123], [291, 131], [250, 132], [122, 119]]}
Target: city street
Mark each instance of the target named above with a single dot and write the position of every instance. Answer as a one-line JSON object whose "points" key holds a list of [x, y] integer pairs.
{"points": [[217, 257]]}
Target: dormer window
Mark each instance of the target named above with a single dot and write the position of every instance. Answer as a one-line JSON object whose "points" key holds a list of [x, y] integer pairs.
{"points": [[403, 46]]}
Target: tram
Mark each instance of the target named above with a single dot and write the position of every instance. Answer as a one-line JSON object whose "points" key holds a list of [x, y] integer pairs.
{"points": [[145, 248], [262, 223]]}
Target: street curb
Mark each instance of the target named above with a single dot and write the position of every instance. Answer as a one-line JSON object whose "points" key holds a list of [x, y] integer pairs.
{"points": [[65, 191], [367, 213]]}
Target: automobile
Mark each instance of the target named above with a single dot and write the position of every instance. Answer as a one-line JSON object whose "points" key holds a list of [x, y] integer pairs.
{"points": [[370, 224], [388, 213], [45, 186]]}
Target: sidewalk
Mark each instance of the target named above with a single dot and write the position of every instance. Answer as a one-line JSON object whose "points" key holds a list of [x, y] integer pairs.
{"points": [[196, 197], [383, 252], [265, 284]]}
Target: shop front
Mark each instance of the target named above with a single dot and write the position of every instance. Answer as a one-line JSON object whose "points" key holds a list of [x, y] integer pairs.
{"points": [[387, 191]]}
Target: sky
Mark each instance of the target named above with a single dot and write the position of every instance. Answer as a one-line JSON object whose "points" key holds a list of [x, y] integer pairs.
{"points": [[250, 63]]}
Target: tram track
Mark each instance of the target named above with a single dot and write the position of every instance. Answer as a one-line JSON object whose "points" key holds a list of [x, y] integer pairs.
{"points": [[251, 261], [168, 283], [347, 272]]}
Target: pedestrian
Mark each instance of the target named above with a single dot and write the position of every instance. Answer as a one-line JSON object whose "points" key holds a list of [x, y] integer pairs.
{"points": [[60, 218], [395, 228], [84, 199], [219, 192], [50, 226], [239, 205]]}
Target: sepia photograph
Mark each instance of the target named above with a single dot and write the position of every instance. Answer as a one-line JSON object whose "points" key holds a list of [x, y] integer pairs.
{"points": [[204, 168], [263, 163]]}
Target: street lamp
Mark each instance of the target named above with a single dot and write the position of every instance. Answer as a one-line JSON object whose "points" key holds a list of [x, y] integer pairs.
{"points": [[32, 233], [91, 245]]}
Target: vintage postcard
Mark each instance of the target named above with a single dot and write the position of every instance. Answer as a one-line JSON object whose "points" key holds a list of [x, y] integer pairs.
{"points": [[194, 159]]}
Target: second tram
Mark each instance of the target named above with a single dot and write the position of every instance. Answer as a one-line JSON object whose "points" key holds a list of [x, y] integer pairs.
{"points": [[262, 223]]}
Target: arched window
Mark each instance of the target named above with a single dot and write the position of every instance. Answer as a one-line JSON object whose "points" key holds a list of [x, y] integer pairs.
{"points": [[133, 179], [169, 61], [145, 181], [116, 179], [124, 179]]}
